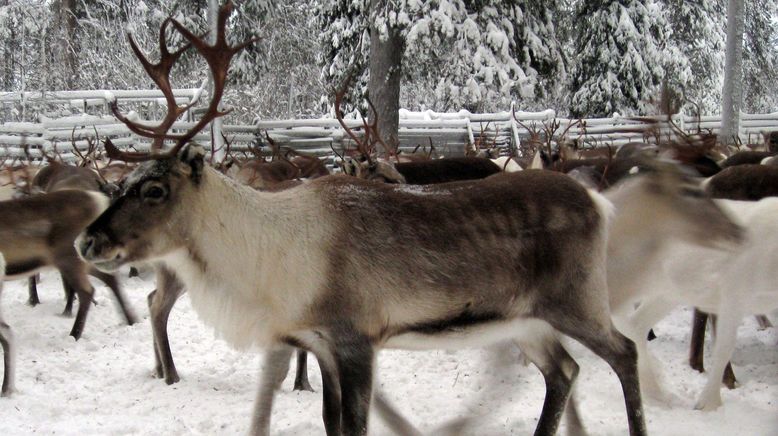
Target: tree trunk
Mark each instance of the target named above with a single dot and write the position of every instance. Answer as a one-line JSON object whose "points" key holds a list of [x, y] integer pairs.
{"points": [[732, 92], [217, 140], [384, 84], [67, 52]]}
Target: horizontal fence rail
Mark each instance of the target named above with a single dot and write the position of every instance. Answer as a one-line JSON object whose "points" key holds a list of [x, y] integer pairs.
{"points": [[448, 133]]}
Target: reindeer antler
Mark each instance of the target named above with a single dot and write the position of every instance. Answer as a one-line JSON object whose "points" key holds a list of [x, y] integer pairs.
{"points": [[218, 57], [361, 145]]}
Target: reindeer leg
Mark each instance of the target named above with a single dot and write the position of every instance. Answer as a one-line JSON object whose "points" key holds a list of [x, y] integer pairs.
{"points": [[598, 334], [274, 369], [70, 297], [32, 284], [699, 322], [301, 382], [161, 302], [559, 371], [649, 313], [113, 283], [321, 346], [9, 356], [728, 378], [85, 298], [73, 272], [573, 417], [354, 356], [393, 419], [725, 334]]}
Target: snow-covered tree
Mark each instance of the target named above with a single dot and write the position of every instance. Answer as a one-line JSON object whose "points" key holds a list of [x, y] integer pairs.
{"points": [[471, 52], [620, 57], [698, 33], [760, 58]]}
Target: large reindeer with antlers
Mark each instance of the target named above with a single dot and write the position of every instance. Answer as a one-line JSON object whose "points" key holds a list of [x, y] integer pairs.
{"points": [[233, 248]]}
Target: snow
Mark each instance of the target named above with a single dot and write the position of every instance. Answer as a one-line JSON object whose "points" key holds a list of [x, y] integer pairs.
{"points": [[103, 383]]}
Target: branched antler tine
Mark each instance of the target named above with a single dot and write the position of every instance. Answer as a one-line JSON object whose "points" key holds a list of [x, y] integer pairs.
{"points": [[113, 152], [336, 152], [374, 131], [160, 74], [75, 147], [218, 57], [339, 115], [366, 148]]}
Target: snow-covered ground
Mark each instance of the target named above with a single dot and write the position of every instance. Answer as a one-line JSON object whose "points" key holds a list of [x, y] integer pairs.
{"points": [[103, 383]]}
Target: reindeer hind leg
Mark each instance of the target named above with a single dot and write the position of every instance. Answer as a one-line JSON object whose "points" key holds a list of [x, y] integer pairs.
{"points": [[112, 282], [32, 285], [301, 382], [559, 372]]}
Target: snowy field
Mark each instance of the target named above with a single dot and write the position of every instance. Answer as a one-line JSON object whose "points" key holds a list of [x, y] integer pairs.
{"points": [[103, 384]]}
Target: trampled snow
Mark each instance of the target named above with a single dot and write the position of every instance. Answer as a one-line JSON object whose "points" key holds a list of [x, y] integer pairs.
{"points": [[103, 384]]}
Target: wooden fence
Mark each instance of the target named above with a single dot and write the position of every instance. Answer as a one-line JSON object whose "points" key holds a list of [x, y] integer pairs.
{"points": [[449, 133]]}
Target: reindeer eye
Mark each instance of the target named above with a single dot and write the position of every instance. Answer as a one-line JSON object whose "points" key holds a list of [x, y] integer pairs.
{"points": [[153, 192]]}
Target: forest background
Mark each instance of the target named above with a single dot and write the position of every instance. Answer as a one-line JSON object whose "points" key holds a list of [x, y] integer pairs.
{"points": [[580, 58]]}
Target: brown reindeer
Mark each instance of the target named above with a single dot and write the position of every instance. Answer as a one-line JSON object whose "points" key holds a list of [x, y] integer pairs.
{"points": [[55, 177], [232, 247], [38, 232]]}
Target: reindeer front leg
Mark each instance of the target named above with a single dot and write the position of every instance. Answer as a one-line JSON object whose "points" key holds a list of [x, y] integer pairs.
{"points": [[354, 355], [274, 370]]}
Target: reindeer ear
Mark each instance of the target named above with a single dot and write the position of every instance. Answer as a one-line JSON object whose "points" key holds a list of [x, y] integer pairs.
{"points": [[193, 157]]}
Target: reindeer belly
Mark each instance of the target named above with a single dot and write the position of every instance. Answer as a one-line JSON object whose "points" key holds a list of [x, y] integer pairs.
{"points": [[475, 335]]}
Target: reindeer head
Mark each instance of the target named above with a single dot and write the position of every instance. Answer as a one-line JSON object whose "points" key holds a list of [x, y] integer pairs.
{"points": [[145, 220], [137, 225], [668, 194]]}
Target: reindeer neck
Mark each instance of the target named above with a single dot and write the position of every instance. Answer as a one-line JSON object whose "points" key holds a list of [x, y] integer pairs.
{"points": [[635, 242], [281, 236]]}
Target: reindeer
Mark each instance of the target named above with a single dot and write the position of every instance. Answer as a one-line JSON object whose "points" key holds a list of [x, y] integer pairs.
{"points": [[653, 210], [746, 157], [417, 172], [57, 176], [276, 174], [746, 182], [38, 232], [730, 284], [232, 246]]}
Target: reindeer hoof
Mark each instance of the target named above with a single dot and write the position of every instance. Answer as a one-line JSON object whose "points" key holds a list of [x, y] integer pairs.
{"points": [[172, 379], [709, 404], [303, 386]]}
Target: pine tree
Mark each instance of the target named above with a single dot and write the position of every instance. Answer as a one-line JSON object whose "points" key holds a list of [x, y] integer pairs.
{"points": [[760, 59], [698, 33], [620, 57], [471, 52]]}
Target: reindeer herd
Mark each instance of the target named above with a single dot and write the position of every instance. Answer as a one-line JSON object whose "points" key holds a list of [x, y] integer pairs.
{"points": [[283, 256]]}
